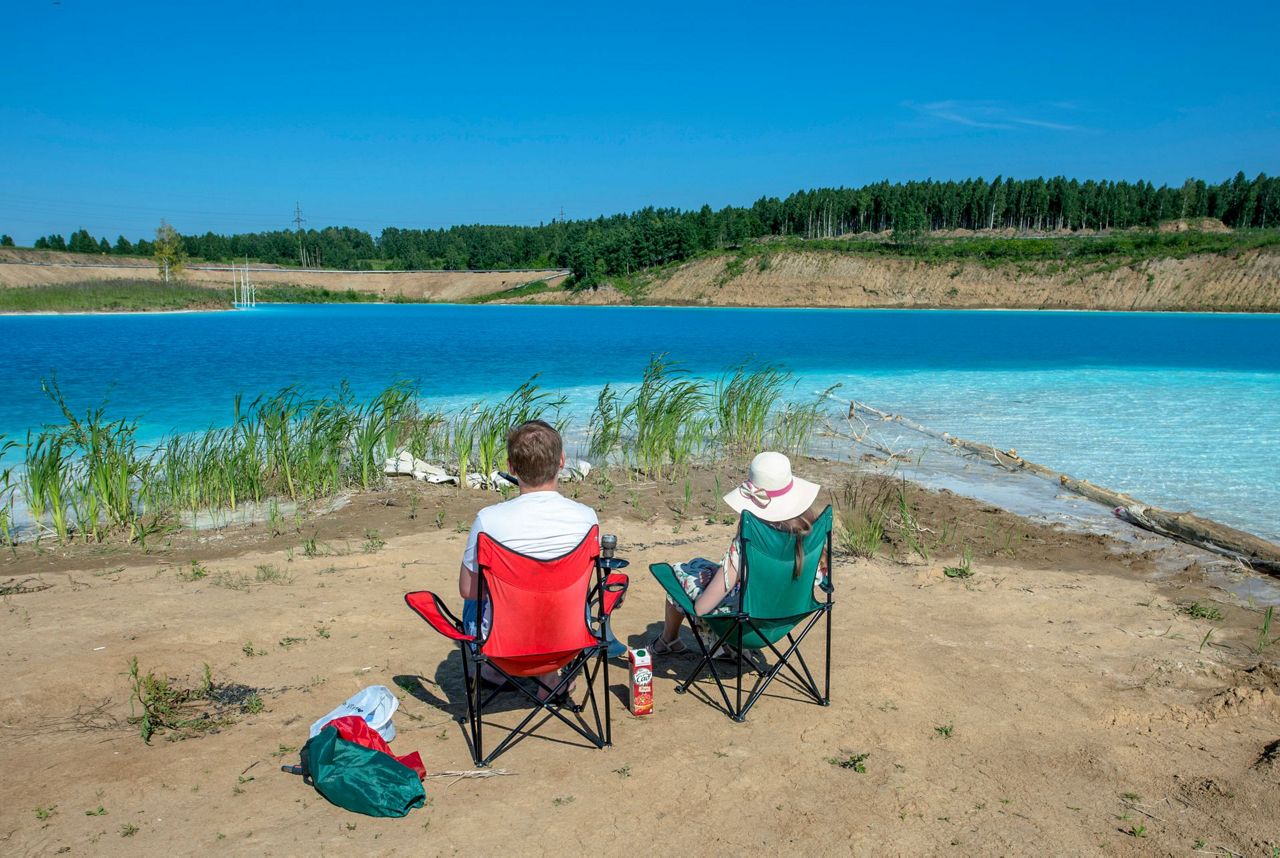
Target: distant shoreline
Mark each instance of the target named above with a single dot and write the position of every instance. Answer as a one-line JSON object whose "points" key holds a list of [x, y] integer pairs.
{"points": [[665, 306]]}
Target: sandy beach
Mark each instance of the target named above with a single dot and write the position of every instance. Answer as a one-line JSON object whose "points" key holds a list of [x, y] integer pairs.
{"points": [[1061, 699]]}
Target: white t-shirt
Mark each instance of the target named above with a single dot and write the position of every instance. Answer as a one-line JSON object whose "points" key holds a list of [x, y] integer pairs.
{"points": [[541, 524]]}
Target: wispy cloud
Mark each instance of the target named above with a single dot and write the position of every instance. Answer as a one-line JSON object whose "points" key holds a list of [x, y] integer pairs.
{"points": [[989, 114], [1040, 123]]}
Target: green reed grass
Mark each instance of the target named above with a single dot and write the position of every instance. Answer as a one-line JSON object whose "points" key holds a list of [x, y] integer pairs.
{"points": [[45, 480], [607, 424], [90, 477], [671, 419], [7, 489], [378, 430], [793, 426], [863, 513], [744, 399], [108, 463]]}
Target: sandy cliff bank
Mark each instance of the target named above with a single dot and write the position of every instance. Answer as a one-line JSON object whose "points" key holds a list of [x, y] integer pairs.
{"points": [[1249, 281]]}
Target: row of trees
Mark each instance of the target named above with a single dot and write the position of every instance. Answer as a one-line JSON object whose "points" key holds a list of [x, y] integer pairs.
{"points": [[624, 243]]}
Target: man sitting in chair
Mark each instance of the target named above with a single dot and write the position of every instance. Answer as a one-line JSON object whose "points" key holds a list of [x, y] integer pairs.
{"points": [[540, 522]]}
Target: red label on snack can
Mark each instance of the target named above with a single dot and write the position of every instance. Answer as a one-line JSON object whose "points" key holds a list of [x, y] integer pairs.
{"points": [[641, 697]]}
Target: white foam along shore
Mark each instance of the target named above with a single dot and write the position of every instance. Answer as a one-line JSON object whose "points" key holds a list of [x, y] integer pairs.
{"points": [[1211, 535]]}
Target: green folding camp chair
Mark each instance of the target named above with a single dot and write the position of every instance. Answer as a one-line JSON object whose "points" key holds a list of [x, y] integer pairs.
{"points": [[772, 602]]}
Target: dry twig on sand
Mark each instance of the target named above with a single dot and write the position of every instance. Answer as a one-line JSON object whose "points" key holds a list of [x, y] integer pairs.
{"points": [[465, 775]]}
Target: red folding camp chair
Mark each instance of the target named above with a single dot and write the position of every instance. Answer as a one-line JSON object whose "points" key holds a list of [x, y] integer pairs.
{"points": [[545, 615]]}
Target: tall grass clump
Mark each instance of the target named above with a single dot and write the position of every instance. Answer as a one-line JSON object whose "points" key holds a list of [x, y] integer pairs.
{"points": [[108, 465], [45, 480], [428, 436], [744, 399], [792, 427], [661, 425], [864, 513], [380, 424], [281, 445], [7, 489], [607, 424], [492, 423]]}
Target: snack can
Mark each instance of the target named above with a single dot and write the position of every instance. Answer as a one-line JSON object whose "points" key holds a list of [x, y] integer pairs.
{"points": [[641, 682]]}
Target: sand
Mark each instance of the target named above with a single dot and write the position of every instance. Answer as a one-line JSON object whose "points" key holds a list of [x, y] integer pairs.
{"points": [[1207, 282], [25, 268], [1057, 701]]}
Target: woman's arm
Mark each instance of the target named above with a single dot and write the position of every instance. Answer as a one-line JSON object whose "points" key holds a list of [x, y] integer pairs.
{"points": [[719, 585]]}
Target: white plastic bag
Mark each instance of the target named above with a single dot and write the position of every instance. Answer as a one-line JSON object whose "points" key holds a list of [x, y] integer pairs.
{"points": [[375, 704]]}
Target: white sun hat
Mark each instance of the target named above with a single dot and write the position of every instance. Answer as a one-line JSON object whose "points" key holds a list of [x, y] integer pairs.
{"points": [[771, 492]]}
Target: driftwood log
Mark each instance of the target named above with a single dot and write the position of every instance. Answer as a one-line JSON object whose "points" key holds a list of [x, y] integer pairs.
{"points": [[1253, 551]]}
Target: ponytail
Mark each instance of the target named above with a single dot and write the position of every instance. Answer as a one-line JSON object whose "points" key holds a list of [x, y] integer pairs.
{"points": [[799, 527]]}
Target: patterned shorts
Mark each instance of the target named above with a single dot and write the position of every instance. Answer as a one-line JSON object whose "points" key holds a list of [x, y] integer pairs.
{"points": [[695, 575]]}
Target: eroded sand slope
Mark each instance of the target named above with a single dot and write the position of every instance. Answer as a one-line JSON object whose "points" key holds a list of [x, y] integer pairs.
{"points": [[1249, 281]]}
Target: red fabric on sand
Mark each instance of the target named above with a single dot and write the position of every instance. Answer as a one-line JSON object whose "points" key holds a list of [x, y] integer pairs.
{"points": [[353, 728]]}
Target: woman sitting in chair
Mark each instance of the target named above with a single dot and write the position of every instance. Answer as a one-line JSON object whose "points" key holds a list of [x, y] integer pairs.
{"points": [[773, 495]]}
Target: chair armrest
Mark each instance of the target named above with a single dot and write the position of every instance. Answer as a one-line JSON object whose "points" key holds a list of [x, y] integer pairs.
{"points": [[667, 578], [428, 606], [615, 589]]}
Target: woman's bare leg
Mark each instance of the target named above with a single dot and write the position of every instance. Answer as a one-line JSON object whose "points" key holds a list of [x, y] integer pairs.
{"points": [[671, 623]]}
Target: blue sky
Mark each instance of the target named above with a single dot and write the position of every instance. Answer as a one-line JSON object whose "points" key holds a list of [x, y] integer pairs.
{"points": [[221, 116]]}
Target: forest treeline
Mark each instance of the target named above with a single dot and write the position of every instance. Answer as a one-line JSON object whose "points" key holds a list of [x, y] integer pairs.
{"points": [[625, 243]]}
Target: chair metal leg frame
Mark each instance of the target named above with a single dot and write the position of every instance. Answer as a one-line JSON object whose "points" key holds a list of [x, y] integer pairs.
{"points": [[541, 706], [783, 660], [707, 662]]}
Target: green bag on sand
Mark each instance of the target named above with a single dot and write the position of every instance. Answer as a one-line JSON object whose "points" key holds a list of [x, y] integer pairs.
{"points": [[358, 778]]}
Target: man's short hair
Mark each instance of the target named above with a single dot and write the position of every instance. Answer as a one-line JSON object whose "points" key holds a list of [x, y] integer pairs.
{"points": [[533, 452]]}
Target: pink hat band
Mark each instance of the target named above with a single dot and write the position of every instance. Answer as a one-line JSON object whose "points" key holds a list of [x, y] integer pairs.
{"points": [[763, 496]]}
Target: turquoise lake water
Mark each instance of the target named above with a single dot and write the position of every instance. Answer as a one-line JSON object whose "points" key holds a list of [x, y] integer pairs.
{"points": [[1182, 410]]}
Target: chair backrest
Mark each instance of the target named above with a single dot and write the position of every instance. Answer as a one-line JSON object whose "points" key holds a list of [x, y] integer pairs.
{"points": [[772, 590], [538, 606]]}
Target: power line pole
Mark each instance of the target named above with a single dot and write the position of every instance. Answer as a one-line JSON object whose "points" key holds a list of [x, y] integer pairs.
{"points": [[297, 219]]}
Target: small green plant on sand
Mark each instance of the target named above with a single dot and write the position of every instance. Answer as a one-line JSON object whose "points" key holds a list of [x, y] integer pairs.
{"points": [[856, 762], [288, 642], [945, 731], [101, 811], [231, 582], [908, 528], [165, 706], [562, 800], [43, 813], [1137, 831], [439, 519], [249, 650], [373, 541], [284, 751], [252, 704], [269, 574], [964, 570], [624, 772], [195, 573], [128, 829], [1205, 640], [1264, 632], [1198, 611]]}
